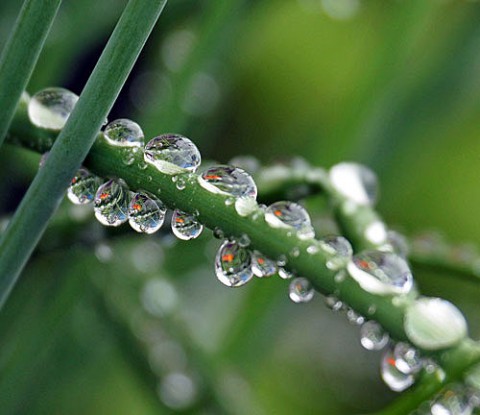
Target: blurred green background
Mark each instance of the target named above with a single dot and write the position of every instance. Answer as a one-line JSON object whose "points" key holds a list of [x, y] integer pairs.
{"points": [[111, 322]]}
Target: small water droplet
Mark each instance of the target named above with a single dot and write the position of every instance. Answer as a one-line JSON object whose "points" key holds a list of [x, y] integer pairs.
{"points": [[83, 187], [354, 181], [372, 336], [453, 401], [103, 252], [146, 213], [434, 323], [229, 201], [172, 154], [312, 249], [300, 290], [124, 133], [340, 276], [185, 226], [284, 274], [180, 184], [263, 266], [295, 251], [178, 391], [381, 272], [233, 264], [333, 303], [354, 318], [228, 180], [282, 260], [43, 159], [338, 249], [407, 358], [218, 233], [51, 107], [111, 203], [244, 240], [286, 214], [376, 233], [396, 380], [128, 157], [246, 206]]}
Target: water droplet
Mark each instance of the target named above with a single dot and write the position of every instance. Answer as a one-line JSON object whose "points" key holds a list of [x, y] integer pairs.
{"points": [[83, 187], [333, 303], [434, 323], [247, 163], [394, 378], [372, 336], [103, 252], [111, 203], [218, 233], [284, 274], [407, 358], [295, 251], [245, 206], [128, 157], [178, 390], [159, 297], [172, 154], [397, 243], [185, 226], [452, 402], [339, 250], [233, 264], [381, 272], [228, 180], [263, 266], [43, 159], [146, 213], [244, 240], [354, 318], [286, 214], [51, 107], [282, 260], [300, 290], [354, 181], [124, 133], [229, 201], [180, 184], [313, 249]]}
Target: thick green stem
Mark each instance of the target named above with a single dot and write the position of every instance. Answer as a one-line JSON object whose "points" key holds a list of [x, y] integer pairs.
{"points": [[21, 54], [75, 140]]}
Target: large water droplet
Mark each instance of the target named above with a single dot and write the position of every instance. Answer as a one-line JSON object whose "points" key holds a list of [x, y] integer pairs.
{"points": [[233, 264], [146, 213], [354, 181], [452, 402], [286, 214], [300, 290], [185, 226], [394, 378], [263, 266], [407, 358], [381, 272], [83, 187], [228, 180], [372, 336], [111, 203], [51, 107], [339, 250], [172, 154], [434, 323], [124, 133]]}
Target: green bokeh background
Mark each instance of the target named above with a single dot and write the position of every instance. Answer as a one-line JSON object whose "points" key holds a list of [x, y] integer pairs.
{"points": [[392, 84]]}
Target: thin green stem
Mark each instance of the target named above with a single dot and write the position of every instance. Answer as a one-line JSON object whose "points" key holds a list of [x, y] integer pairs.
{"points": [[213, 212], [75, 140], [21, 54]]}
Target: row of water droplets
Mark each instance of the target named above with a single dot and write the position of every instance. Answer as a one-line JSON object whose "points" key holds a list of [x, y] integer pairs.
{"points": [[430, 323]]}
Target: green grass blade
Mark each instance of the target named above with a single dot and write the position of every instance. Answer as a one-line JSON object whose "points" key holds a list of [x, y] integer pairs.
{"points": [[21, 54], [74, 142]]}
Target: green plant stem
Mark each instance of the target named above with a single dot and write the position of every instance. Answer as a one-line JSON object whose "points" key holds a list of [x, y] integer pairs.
{"points": [[21, 54], [213, 212], [75, 140]]}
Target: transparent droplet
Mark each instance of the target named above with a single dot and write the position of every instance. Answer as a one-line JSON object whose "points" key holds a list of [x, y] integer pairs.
{"points": [[159, 297], [178, 390], [381, 272], [339, 250], [83, 187], [452, 402], [286, 214], [245, 206], [333, 303], [263, 266], [228, 180], [372, 336], [233, 264], [300, 290], [434, 323], [51, 107], [185, 226], [396, 380], [172, 154], [285, 274], [146, 213], [124, 133], [354, 181], [407, 358], [397, 243], [111, 203], [354, 318]]}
